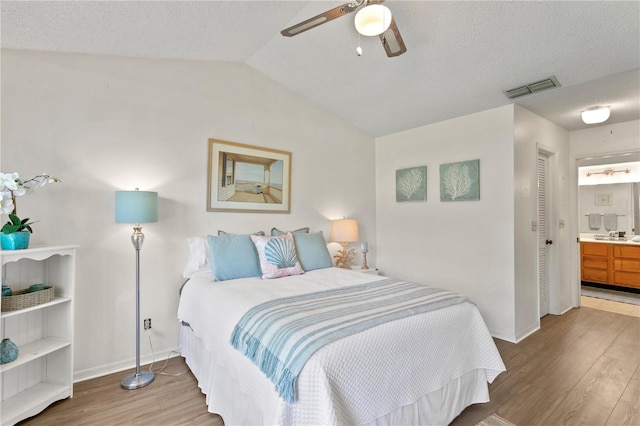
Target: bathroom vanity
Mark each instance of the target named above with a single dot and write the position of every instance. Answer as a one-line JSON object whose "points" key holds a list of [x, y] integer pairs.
{"points": [[610, 262]]}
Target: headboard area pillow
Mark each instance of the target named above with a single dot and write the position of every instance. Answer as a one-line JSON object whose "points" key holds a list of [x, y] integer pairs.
{"points": [[198, 259], [277, 256], [233, 256], [312, 251], [276, 232]]}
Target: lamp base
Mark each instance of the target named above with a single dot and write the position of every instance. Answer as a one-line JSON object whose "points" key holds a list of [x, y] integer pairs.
{"points": [[136, 381]]}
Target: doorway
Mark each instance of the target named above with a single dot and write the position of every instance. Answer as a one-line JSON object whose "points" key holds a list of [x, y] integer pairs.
{"points": [[603, 188]]}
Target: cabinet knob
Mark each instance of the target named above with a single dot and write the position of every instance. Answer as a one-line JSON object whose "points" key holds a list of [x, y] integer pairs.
{"points": [[548, 242]]}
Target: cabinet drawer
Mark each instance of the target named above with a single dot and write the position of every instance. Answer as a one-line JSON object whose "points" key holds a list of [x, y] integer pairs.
{"points": [[627, 279], [626, 265], [627, 251], [596, 249], [594, 275], [595, 262]]}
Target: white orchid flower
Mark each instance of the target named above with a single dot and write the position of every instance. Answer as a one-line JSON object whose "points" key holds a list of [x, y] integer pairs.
{"points": [[19, 191], [10, 181], [6, 202], [11, 186]]}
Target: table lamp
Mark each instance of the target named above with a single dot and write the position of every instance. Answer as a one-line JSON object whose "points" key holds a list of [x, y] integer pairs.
{"points": [[344, 231]]}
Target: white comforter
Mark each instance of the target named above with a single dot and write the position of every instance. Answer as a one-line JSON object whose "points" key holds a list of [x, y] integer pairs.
{"points": [[354, 380]]}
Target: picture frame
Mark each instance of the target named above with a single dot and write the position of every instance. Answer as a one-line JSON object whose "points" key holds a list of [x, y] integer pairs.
{"points": [[604, 199], [460, 181], [411, 184], [248, 179]]}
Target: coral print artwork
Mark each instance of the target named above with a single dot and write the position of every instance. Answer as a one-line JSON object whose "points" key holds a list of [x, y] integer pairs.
{"points": [[411, 184], [460, 181]]}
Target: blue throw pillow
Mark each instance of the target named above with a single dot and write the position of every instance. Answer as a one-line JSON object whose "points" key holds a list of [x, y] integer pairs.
{"points": [[233, 256], [312, 251]]}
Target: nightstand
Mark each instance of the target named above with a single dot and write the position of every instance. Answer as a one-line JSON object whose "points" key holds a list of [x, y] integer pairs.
{"points": [[371, 270]]}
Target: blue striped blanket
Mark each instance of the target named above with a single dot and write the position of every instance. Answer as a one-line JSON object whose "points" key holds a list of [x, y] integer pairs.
{"points": [[280, 335]]}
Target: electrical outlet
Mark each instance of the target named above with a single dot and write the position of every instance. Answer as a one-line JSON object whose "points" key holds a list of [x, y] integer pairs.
{"points": [[147, 323]]}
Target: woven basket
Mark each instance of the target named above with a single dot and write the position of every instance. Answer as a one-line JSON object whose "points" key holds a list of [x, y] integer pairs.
{"points": [[23, 299]]}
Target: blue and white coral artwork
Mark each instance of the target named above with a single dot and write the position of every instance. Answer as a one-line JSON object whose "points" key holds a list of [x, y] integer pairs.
{"points": [[460, 181], [411, 184]]}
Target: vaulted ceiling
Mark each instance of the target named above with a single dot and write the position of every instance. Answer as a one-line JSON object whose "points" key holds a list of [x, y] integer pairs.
{"points": [[461, 55]]}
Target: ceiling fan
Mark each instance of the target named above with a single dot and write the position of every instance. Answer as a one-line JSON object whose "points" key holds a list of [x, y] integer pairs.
{"points": [[373, 19]]}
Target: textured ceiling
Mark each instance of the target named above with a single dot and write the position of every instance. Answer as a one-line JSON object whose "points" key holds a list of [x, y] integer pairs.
{"points": [[461, 55]]}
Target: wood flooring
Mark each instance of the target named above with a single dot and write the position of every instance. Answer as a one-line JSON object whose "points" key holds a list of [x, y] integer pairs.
{"points": [[168, 400], [581, 368]]}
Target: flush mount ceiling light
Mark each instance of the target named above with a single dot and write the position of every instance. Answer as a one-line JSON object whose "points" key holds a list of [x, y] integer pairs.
{"points": [[595, 115], [373, 20]]}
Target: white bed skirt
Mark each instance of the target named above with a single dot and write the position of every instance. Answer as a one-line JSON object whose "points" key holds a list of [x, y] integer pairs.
{"points": [[237, 407]]}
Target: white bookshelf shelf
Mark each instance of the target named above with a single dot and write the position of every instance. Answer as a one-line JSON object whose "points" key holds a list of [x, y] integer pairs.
{"points": [[53, 302], [35, 350], [32, 401], [43, 371]]}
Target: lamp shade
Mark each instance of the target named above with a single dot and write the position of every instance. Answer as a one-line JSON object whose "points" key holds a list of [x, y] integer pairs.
{"points": [[136, 206], [373, 20], [596, 115], [344, 230]]}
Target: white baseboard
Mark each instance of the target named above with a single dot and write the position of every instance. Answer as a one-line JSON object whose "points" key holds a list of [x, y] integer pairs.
{"points": [[502, 336], [566, 309], [527, 332], [105, 369]]}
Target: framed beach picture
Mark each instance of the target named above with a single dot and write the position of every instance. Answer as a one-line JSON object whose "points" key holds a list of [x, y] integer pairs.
{"points": [[411, 184], [460, 181], [245, 178]]}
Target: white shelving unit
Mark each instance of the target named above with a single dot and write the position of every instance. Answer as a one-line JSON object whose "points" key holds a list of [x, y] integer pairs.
{"points": [[43, 372]]}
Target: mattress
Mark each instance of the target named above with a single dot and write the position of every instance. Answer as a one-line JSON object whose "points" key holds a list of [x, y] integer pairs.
{"points": [[424, 369]]}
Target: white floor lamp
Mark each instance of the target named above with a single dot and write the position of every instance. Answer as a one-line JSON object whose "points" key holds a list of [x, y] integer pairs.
{"points": [[137, 207]]}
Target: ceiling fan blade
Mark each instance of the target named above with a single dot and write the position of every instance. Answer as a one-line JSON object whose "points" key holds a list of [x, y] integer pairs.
{"points": [[325, 17], [392, 41]]}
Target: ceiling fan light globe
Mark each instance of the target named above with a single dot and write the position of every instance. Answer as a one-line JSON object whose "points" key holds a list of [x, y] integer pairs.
{"points": [[373, 20], [596, 115]]}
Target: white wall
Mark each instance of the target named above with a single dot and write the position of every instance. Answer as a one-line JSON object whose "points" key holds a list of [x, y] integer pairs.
{"points": [[103, 124], [484, 249], [466, 246], [605, 139], [531, 134]]}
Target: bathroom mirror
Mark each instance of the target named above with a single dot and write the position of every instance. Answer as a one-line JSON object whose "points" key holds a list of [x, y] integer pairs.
{"points": [[620, 199], [608, 194]]}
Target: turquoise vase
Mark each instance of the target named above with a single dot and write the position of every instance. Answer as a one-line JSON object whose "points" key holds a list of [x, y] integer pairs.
{"points": [[8, 351], [15, 240]]}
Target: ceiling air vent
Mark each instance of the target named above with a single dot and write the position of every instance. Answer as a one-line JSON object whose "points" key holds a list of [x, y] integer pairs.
{"points": [[538, 86]]}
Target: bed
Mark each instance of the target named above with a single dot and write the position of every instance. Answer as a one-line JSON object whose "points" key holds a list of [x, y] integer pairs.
{"points": [[417, 369]]}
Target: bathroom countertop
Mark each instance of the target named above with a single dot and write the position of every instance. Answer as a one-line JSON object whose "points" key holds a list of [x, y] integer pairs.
{"points": [[589, 238]]}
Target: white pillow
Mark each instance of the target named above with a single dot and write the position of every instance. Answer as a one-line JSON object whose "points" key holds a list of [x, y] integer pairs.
{"points": [[198, 259]]}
